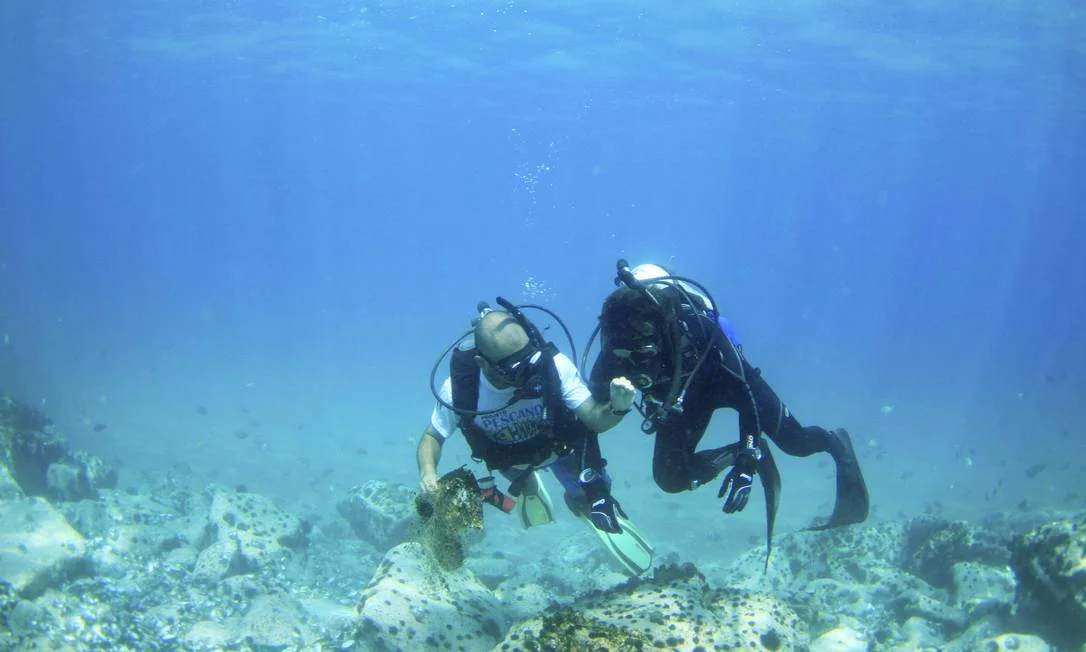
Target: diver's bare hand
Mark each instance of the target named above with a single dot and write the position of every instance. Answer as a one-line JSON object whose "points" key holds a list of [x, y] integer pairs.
{"points": [[428, 482], [622, 394]]}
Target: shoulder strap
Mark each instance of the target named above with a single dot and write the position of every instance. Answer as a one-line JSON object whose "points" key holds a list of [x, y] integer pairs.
{"points": [[566, 429], [464, 378], [552, 389]]}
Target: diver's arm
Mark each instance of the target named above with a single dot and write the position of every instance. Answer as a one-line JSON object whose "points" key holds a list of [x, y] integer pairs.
{"points": [[598, 416], [427, 456], [601, 417], [737, 368], [599, 379], [749, 435]]}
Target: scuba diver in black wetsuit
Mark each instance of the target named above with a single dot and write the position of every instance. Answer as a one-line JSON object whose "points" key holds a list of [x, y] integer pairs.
{"points": [[522, 406], [665, 334]]}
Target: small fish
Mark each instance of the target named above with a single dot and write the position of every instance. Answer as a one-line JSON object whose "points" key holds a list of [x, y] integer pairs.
{"points": [[241, 434], [99, 427], [1032, 471], [361, 451], [906, 475], [201, 410]]}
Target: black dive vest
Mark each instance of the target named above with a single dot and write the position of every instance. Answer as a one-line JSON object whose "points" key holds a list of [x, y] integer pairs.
{"points": [[563, 433]]}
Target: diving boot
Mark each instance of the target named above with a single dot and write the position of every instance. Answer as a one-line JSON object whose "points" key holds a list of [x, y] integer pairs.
{"points": [[852, 503]]}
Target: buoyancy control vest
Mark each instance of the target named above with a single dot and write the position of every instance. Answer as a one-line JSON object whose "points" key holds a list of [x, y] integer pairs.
{"points": [[562, 432]]}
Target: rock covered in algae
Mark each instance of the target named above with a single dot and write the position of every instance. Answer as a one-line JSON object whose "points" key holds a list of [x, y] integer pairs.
{"points": [[677, 610], [1050, 564], [38, 461], [446, 513]]}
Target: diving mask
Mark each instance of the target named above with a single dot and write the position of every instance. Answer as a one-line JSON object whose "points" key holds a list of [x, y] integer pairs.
{"points": [[517, 369], [637, 354], [641, 362]]}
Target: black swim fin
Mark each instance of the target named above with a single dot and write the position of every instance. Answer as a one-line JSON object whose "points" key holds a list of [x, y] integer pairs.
{"points": [[852, 503], [721, 458], [771, 485]]}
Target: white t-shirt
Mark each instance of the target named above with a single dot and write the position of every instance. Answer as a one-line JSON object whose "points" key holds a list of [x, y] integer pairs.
{"points": [[520, 421]]}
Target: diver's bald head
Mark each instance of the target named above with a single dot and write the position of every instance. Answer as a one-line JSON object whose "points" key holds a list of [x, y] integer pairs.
{"points": [[499, 335]]}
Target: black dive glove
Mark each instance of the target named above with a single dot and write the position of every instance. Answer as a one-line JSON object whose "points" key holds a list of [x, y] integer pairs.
{"points": [[605, 513], [603, 509], [739, 480]]}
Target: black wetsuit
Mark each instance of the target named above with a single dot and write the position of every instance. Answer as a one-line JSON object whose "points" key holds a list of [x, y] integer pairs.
{"points": [[676, 466]]}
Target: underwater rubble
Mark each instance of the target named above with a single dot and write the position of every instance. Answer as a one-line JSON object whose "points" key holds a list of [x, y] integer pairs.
{"points": [[85, 565]]}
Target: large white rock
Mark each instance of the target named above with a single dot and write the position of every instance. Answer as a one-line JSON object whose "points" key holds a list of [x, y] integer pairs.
{"points": [[380, 512], [412, 604], [1017, 643], [9, 488], [249, 532], [979, 588], [38, 547], [840, 639]]}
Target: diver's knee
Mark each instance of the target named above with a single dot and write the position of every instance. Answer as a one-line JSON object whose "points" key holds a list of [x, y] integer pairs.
{"points": [[671, 483]]}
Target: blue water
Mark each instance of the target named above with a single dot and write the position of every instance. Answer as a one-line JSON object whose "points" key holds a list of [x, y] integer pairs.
{"points": [[279, 213]]}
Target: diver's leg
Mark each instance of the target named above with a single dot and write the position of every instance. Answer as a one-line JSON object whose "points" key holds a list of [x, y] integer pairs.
{"points": [[852, 503], [777, 422], [518, 479], [567, 470], [675, 465], [533, 503]]}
